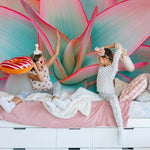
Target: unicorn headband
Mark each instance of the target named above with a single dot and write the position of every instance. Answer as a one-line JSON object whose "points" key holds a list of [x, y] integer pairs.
{"points": [[100, 51]]}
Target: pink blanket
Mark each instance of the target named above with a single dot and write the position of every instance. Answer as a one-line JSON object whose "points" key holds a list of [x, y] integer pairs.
{"points": [[34, 113]]}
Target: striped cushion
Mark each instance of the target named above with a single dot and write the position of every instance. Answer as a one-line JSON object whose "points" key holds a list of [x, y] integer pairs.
{"points": [[134, 88]]}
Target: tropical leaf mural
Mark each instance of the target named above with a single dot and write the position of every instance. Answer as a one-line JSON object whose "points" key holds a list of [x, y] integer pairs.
{"points": [[83, 25]]}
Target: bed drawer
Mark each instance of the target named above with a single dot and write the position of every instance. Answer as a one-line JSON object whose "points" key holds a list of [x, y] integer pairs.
{"points": [[137, 137], [40, 149], [67, 149], [74, 138], [6, 149], [29, 149], [130, 148], [105, 137], [107, 149], [141, 149], [133, 137], [27, 138]]}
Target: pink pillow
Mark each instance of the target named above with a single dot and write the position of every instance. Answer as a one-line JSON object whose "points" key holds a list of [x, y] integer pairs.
{"points": [[134, 88]]}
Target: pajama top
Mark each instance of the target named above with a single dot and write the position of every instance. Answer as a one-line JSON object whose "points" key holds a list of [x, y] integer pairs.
{"points": [[46, 84], [107, 74]]}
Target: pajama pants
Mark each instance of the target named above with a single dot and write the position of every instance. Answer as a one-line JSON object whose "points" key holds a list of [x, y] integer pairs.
{"points": [[114, 103], [55, 90]]}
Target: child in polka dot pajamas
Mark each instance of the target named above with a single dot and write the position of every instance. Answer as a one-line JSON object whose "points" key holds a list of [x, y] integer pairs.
{"points": [[105, 80], [41, 82]]}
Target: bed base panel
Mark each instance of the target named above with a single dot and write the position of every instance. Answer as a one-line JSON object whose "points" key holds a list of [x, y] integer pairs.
{"points": [[14, 136]]}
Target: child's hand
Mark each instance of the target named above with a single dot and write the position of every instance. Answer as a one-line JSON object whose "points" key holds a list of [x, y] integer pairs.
{"points": [[57, 33], [118, 46], [124, 53], [34, 65]]}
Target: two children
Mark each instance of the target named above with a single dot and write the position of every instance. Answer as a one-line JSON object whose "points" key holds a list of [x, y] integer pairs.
{"points": [[41, 81]]}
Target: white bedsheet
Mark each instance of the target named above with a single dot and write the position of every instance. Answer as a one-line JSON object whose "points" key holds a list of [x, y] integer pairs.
{"points": [[80, 102]]}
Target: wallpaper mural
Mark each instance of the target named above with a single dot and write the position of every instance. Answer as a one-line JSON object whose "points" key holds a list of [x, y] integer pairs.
{"points": [[83, 25]]}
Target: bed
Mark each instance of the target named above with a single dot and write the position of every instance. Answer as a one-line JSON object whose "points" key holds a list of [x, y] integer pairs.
{"points": [[137, 134], [32, 127]]}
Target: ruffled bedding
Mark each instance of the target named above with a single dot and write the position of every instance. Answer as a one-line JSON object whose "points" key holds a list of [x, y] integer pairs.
{"points": [[85, 111], [35, 114]]}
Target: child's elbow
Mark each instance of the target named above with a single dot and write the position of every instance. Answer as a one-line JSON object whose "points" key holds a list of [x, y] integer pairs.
{"points": [[131, 68]]}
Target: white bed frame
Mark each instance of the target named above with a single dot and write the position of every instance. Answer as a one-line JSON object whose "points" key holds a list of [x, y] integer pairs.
{"points": [[13, 136]]}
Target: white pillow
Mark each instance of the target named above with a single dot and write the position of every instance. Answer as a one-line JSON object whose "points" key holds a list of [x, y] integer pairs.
{"points": [[144, 97]]}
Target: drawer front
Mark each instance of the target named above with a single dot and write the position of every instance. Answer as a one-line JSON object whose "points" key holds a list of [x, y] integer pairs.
{"points": [[137, 137], [74, 149], [105, 137], [5, 149], [64, 149], [27, 138], [70, 138], [133, 137], [42, 149], [86, 149], [141, 149], [107, 149]]}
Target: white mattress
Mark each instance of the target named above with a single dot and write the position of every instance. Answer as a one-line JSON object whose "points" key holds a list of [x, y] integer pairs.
{"points": [[139, 109]]}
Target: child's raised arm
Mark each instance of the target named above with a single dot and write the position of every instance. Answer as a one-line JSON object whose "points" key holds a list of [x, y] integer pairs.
{"points": [[125, 59], [119, 46], [124, 53], [110, 46], [54, 56], [114, 45]]}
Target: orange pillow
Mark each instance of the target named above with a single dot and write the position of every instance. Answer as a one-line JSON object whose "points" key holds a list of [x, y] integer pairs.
{"points": [[134, 88]]}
